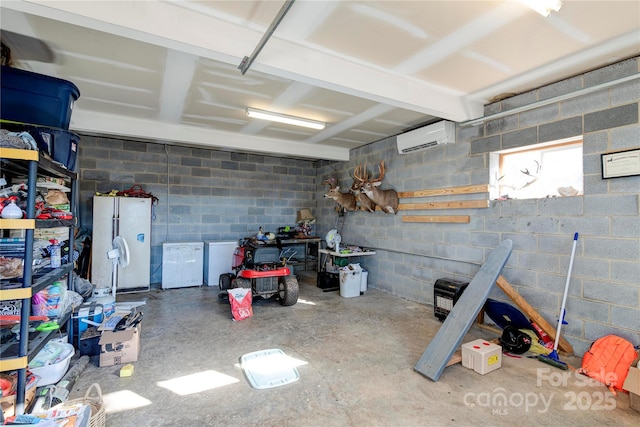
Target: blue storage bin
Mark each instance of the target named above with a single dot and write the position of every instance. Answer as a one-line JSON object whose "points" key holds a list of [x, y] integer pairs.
{"points": [[90, 311], [36, 99], [61, 145]]}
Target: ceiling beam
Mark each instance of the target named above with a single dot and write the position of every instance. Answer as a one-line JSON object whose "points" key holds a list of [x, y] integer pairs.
{"points": [[215, 38], [162, 132]]}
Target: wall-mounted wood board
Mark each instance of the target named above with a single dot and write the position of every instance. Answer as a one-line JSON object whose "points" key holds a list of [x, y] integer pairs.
{"points": [[460, 204], [462, 219], [465, 189]]}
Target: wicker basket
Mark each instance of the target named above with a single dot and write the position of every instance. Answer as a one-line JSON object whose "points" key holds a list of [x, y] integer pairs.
{"points": [[95, 403]]}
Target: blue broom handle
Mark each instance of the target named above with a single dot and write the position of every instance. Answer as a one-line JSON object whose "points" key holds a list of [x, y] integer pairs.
{"points": [[566, 289]]}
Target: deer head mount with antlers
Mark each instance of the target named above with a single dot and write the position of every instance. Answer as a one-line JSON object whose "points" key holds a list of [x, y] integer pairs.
{"points": [[346, 200], [364, 202], [332, 182], [386, 199]]}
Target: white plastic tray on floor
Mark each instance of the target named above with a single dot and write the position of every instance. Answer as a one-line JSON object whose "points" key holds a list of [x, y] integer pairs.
{"points": [[269, 368]]}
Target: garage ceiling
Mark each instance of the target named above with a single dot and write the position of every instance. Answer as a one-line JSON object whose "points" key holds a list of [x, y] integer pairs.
{"points": [[168, 70]]}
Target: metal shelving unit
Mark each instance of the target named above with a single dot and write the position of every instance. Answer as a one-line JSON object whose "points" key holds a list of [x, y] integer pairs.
{"points": [[16, 353]]}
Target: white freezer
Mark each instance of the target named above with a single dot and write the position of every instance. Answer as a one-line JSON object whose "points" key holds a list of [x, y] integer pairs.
{"points": [[182, 264], [218, 259]]}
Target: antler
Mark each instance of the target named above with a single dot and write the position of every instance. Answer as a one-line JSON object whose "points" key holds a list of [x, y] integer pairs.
{"points": [[381, 168], [356, 174], [331, 182]]}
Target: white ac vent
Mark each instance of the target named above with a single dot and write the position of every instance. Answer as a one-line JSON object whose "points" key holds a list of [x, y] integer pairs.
{"points": [[440, 133]]}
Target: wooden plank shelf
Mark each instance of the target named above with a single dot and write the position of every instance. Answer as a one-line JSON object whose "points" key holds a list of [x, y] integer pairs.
{"points": [[460, 204], [465, 189], [460, 219]]}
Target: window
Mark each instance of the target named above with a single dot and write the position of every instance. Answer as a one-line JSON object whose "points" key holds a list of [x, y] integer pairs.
{"points": [[551, 169]]}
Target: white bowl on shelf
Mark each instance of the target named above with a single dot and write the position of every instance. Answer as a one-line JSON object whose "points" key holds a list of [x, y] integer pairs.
{"points": [[52, 373]]}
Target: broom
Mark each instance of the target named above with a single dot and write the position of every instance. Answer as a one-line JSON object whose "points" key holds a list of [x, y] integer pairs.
{"points": [[552, 358]]}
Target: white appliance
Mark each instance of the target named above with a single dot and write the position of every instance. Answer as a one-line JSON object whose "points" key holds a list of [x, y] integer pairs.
{"points": [[129, 218], [182, 264], [218, 259], [442, 132]]}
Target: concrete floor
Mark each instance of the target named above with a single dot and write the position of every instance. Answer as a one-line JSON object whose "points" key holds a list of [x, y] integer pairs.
{"points": [[358, 356]]}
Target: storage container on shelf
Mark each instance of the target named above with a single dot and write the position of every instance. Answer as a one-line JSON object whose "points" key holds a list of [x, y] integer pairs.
{"points": [[60, 144], [54, 254], [36, 99], [52, 362]]}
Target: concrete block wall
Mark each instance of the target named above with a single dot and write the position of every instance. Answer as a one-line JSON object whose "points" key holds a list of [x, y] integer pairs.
{"points": [[604, 293], [215, 195], [203, 194]]}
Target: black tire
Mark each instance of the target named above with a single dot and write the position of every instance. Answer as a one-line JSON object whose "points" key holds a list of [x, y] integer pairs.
{"points": [[224, 282], [288, 290]]}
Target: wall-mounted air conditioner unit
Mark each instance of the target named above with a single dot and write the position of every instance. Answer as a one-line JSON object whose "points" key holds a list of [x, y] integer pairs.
{"points": [[443, 132]]}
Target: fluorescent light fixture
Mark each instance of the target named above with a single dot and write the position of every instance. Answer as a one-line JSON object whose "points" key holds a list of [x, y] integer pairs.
{"points": [[283, 118], [543, 7]]}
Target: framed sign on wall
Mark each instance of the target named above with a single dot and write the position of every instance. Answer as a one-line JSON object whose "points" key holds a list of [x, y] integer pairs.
{"points": [[621, 163]]}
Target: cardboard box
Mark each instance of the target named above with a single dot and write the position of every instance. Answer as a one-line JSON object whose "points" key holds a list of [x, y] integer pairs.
{"points": [[632, 385], [481, 356], [119, 347], [8, 403]]}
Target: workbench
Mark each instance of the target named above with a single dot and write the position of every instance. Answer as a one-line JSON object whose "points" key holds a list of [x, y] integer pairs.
{"points": [[297, 242], [329, 252], [329, 281]]}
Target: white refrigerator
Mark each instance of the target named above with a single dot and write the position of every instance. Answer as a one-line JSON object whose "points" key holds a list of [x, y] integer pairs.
{"points": [[129, 218]]}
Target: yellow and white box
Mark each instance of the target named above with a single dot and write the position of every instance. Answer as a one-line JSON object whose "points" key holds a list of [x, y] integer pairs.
{"points": [[481, 356]]}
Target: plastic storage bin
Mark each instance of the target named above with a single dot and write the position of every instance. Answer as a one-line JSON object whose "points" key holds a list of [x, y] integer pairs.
{"points": [[58, 353], [36, 99], [350, 281], [61, 145], [364, 278], [90, 311], [328, 281]]}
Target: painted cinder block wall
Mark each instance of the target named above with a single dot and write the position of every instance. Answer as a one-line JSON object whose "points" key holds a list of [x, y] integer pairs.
{"points": [[204, 195], [216, 195], [604, 293]]}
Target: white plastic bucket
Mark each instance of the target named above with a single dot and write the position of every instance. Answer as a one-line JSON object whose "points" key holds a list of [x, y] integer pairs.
{"points": [[350, 281], [363, 281], [103, 296]]}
